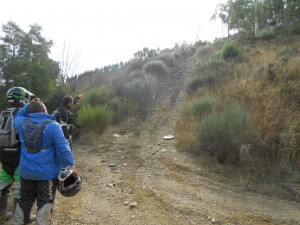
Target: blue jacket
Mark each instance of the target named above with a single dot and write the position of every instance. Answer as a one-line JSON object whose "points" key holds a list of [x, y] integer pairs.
{"points": [[47, 164]]}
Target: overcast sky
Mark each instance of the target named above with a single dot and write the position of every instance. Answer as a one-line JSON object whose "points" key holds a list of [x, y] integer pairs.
{"points": [[108, 32]]}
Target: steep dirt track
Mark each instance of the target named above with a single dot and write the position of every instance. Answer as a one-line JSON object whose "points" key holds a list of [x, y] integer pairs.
{"points": [[144, 179], [168, 186]]}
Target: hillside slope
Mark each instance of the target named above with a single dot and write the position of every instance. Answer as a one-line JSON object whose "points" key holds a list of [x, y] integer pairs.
{"points": [[137, 177]]}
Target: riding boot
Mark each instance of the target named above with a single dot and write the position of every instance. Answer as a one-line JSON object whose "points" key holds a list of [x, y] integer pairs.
{"points": [[3, 208], [44, 214]]}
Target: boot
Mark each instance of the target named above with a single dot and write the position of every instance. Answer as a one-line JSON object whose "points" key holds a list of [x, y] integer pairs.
{"points": [[44, 214], [3, 208]]}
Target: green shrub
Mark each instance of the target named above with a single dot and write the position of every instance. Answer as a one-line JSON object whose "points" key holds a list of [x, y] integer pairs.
{"points": [[201, 92], [168, 59], [209, 74], [290, 153], [156, 68], [185, 51], [197, 107], [212, 68], [99, 96], [96, 118], [221, 133], [295, 29], [114, 104], [136, 64], [140, 90], [119, 109], [198, 82], [230, 51], [135, 74], [267, 34]]}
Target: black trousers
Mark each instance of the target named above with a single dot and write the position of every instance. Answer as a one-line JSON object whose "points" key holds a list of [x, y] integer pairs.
{"points": [[43, 192]]}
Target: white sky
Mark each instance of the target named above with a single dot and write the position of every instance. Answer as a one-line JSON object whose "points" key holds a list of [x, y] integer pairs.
{"points": [[111, 31]]}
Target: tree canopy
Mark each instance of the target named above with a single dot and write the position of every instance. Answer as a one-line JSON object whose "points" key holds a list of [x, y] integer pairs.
{"points": [[241, 15], [24, 60]]}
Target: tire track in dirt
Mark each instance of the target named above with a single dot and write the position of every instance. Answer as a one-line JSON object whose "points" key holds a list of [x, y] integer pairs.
{"points": [[170, 187]]}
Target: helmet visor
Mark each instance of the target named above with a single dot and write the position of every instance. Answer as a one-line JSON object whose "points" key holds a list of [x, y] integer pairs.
{"points": [[65, 173]]}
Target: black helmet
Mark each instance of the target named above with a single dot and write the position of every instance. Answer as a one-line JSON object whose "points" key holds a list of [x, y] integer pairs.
{"points": [[69, 183], [17, 95]]}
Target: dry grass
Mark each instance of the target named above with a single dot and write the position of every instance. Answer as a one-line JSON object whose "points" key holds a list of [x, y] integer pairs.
{"points": [[185, 129], [267, 83], [253, 87], [268, 88]]}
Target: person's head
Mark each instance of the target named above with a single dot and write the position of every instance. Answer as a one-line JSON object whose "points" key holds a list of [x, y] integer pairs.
{"points": [[18, 96], [37, 106], [68, 101]]}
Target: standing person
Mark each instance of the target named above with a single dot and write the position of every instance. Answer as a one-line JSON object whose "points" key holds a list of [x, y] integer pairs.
{"points": [[44, 152], [10, 148], [65, 117]]}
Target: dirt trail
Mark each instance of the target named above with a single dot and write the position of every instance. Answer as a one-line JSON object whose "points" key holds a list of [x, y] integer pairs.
{"points": [[144, 179]]}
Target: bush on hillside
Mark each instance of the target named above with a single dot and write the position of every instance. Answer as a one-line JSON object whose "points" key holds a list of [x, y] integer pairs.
{"points": [[119, 110], [156, 68], [197, 107], [135, 74], [140, 90], [198, 82], [267, 34], [212, 68], [222, 133], [230, 51], [290, 156], [295, 29], [209, 74], [136, 64], [168, 59], [94, 118], [114, 104], [185, 52], [98, 96]]}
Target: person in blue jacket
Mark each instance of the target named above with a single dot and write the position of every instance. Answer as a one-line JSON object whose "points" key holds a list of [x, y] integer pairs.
{"points": [[40, 162]]}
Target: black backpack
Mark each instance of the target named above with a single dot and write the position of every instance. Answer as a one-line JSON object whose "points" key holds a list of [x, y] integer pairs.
{"points": [[34, 135]]}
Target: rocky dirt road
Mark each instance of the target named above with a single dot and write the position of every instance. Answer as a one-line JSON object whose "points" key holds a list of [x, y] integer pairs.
{"points": [[137, 177]]}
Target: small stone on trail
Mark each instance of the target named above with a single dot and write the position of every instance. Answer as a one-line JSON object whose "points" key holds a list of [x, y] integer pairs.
{"points": [[126, 203], [168, 137], [111, 165], [133, 204], [163, 150], [111, 185], [116, 135]]}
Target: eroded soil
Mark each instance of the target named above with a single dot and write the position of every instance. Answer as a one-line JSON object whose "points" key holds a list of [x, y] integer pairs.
{"points": [[137, 177]]}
